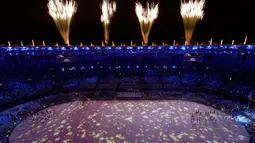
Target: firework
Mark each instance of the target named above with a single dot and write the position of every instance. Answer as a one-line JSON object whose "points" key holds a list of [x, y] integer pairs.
{"points": [[9, 44], [113, 43], [43, 43], [108, 9], [191, 12], [146, 17], [33, 42], [62, 13], [245, 40]]}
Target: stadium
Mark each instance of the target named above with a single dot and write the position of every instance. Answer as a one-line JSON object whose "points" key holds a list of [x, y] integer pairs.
{"points": [[186, 92], [127, 94]]}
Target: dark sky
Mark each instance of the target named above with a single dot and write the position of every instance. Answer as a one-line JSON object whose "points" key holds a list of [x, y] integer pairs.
{"points": [[28, 19]]}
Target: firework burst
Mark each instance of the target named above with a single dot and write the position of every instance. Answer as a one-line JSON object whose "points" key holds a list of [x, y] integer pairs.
{"points": [[191, 13], [108, 9], [62, 13], [146, 17]]}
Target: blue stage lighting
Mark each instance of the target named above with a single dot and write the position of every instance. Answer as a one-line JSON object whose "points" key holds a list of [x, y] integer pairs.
{"points": [[118, 48], [209, 47], [194, 48], [92, 67], [108, 48], [174, 67]]}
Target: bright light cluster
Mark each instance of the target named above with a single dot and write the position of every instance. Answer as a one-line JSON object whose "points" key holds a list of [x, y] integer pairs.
{"points": [[146, 15], [62, 13], [61, 10], [108, 9], [192, 9]]}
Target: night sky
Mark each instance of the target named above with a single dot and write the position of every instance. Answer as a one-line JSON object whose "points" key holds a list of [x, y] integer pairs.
{"points": [[28, 19]]}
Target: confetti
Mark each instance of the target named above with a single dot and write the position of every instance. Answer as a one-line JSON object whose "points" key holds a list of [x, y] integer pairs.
{"points": [[129, 121]]}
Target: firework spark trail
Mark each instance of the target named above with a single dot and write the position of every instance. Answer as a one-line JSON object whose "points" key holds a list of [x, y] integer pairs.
{"points": [[191, 12], [146, 17], [62, 13], [108, 9]]}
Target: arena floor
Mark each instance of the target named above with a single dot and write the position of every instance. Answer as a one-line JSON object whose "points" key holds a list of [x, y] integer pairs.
{"points": [[127, 122]]}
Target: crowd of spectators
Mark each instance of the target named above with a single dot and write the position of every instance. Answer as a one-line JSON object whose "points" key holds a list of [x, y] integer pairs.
{"points": [[20, 90]]}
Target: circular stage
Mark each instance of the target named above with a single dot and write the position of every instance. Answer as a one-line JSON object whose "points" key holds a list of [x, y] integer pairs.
{"points": [[128, 122]]}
